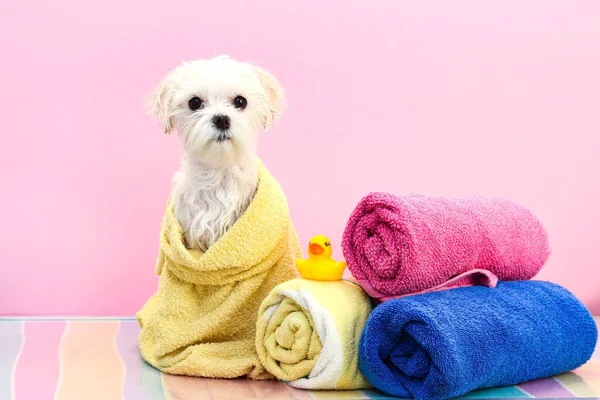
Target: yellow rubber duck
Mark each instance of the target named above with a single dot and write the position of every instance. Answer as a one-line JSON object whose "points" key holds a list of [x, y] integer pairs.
{"points": [[319, 266]]}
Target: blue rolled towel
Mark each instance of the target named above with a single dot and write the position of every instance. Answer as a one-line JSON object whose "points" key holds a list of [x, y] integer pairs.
{"points": [[444, 344]]}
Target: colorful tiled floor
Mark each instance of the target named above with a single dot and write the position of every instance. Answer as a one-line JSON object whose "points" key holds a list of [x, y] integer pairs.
{"points": [[98, 359]]}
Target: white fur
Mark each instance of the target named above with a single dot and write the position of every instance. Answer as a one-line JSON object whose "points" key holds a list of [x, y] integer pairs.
{"points": [[217, 179]]}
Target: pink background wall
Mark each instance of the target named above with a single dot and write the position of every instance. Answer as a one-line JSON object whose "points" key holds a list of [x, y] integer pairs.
{"points": [[441, 98]]}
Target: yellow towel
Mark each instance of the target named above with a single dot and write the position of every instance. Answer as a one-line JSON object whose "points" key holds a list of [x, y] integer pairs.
{"points": [[202, 319], [307, 333]]}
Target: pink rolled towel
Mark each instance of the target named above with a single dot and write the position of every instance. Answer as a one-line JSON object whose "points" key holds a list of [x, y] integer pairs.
{"points": [[401, 245]]}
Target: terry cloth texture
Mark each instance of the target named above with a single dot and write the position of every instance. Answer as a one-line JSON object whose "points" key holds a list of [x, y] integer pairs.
{"points": [[402, 245], [444, 344], [308, 332], [202, 319]]}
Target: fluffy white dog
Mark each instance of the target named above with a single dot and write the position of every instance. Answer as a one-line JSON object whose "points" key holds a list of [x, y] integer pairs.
{"points": [[217, 106]]}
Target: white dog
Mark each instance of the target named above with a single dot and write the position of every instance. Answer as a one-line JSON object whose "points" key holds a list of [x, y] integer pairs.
{"points": [[217, 106]]}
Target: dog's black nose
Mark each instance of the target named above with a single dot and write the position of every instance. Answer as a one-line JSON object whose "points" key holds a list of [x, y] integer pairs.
{"points": [[221, 122]]}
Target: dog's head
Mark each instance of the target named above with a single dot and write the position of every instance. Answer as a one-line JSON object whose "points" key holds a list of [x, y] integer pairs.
{"points": [[217, 106]]}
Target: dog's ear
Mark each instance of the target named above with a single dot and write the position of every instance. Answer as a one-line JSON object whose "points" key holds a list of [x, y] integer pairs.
{"points": [[160, 104], [275, 97]]}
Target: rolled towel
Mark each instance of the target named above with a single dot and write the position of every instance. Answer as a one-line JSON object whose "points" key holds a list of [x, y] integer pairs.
{"points": [[307, 333], [402, 245], [444, 344], [202, 319]]}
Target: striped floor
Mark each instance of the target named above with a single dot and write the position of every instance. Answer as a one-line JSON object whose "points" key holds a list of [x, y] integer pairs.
{"points": [[98, 359]]}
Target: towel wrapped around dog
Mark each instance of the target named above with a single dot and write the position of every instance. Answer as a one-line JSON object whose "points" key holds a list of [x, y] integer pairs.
{"points": [[202, 319], [307, 333], [444, 344], [403, 245]]}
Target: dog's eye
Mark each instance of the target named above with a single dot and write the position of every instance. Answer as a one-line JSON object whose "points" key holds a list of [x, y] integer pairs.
{"points": [[195, 103], [240, 102]]}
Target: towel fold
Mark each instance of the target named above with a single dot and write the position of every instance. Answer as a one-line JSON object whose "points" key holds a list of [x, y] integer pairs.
{"points": [[202, 319], [307, 333], [444, 344], [401, 245]]}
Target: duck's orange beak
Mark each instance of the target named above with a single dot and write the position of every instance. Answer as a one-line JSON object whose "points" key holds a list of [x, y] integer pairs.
{"points": [[315, 249]]}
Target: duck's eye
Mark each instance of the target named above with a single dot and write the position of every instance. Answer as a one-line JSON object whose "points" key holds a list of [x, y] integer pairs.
{"points": [[327, 244]]}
